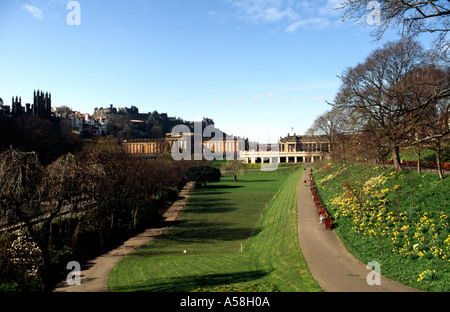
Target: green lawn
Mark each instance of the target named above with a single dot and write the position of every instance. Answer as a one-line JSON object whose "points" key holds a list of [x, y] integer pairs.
{"points": [[237, 236]]}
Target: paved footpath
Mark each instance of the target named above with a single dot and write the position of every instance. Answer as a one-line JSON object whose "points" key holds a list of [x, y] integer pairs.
{"points": [[94, 275], [332, 266]]}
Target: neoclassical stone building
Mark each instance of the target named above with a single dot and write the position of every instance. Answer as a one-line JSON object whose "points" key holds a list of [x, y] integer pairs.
{"points": [[148, 147], [219, 148], [290, 149]]}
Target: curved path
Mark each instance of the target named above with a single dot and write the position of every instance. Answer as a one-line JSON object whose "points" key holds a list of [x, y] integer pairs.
{"points": [[94, 275], [332, 266]]}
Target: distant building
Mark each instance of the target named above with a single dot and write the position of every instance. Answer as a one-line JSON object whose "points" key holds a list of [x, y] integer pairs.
{"points": [[5, 110], [83, 124], [105, 111], [291, 149], [42, 106], [229, 146]]}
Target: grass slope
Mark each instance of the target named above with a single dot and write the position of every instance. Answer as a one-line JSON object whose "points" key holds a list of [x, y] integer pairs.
{"points": [[238, 236], [400, 220]]}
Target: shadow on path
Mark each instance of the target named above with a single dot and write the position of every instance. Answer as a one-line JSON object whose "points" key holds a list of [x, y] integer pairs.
{"points": [[94, 275]]}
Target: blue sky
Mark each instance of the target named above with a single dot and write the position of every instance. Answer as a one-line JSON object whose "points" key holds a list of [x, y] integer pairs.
{"points": [[258, 68]]}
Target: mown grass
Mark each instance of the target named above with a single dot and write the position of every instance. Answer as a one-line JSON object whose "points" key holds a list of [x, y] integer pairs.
{"points": [[400, 220], [232, 236]]}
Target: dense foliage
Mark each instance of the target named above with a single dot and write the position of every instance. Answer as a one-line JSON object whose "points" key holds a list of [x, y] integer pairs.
{"points": [[203, 174], [86, 203]]}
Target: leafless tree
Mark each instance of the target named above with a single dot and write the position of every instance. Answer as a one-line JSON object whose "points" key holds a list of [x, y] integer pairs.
{"points": [[411, 17], [233, 166], [20, 177], [63, 187], [373, 90], [430, 123], [337, 126], [37, 196]]}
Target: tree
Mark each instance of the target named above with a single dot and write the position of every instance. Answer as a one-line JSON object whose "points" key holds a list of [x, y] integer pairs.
{"points": [[37, 195], [113, 185], [62, 187], [337, 126], [157, 132], [20, 178], [413, 17], [374, 90], [431, 121], [202, 174], [233, 166]]}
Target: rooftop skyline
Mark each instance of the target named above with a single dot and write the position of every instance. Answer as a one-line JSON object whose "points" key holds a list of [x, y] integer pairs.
{"points": [[258, 68]]}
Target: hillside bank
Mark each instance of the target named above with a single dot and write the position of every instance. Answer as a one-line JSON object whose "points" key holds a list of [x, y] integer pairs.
{"points": [[397, 219]]}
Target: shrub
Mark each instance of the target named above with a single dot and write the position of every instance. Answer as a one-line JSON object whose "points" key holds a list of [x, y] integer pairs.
{"points": [[202, 174]]}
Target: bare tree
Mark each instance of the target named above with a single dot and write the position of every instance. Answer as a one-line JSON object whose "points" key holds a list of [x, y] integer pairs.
{"points": [[62, 187], [373, 90], [20, 178], [410, 16], [37, 196], [233, 166], [430, 122], [337, 126]]}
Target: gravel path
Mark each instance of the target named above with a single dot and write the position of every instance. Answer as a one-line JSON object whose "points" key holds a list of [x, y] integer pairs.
{"points": [[94, 275]]}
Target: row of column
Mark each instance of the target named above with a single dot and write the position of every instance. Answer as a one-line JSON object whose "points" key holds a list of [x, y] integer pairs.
{"points": [[159, 147], [225, 146], [305, 147], [147, 148], [283, 160]]}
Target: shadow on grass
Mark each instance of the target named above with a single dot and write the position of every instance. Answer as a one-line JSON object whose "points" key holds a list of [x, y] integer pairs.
{"points": [[217, 205], [197, 236], [190, 283], [219, 186], [201, 209], [259, 181], [205, 232]]}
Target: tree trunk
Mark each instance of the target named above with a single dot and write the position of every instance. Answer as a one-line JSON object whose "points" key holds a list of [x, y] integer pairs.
{"points": [[396, 158], [46, 264], [134, 214], [438, 163], [47, 249], [419, 165]]}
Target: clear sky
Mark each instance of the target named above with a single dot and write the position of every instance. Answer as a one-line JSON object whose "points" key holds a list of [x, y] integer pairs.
{"points": [[258, 68]]}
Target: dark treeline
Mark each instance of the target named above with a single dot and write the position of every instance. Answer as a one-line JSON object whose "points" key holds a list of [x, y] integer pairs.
{"points": [[89, 200], [43, 136]]}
